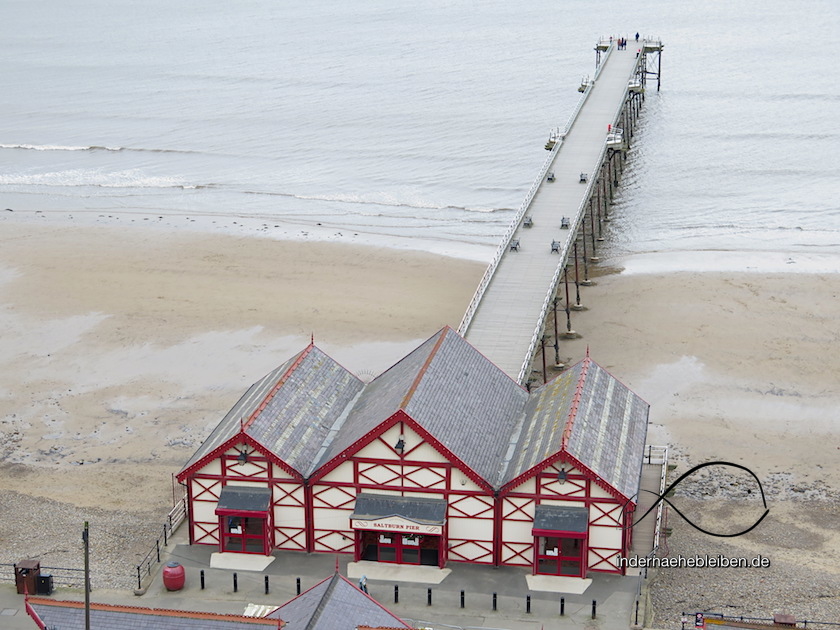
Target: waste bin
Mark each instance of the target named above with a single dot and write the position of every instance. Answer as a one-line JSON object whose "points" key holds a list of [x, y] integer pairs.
{"points": [[26, 576], [174, 576], [45, 584]]}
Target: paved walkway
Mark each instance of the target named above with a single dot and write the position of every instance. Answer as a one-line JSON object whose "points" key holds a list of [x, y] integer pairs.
{"points": [[615, 595]]}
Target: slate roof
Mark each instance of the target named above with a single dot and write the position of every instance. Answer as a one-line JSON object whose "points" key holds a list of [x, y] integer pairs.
{"points": [[310, 409], [334, 604], [423, 510], [561, 518], [291, 410], [71, 616], [588, 413]]}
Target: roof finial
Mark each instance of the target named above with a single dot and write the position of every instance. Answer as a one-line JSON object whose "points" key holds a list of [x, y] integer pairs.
{"points": [[312, 338], [587, 351]]}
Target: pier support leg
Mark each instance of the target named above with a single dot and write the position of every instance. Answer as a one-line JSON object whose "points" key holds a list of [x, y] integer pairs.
{"points": [[586, 281], [557, 363], [570, 334], [577, 306]]}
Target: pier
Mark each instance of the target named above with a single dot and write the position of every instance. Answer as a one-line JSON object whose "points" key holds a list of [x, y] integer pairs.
{"points": [[557, 230]]}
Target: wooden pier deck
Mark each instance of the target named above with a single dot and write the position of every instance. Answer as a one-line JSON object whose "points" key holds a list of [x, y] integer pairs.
{"points": [[506, 316]]}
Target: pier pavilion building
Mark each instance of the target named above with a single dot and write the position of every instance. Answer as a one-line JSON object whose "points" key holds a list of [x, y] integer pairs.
{"points": [[442, 458]]}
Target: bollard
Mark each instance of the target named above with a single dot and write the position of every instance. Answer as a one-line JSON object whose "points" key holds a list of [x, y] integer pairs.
{"points": [[562, 606], [494, 601], [235, 585], [428, 597], [593, 608], [528, 604], [462, 598], [396, 594], [298, 586], [266, 585], [637, 612], [202, 579]]}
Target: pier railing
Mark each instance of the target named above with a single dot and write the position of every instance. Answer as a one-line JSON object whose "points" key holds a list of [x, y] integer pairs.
{"points": [[523, 208], [570, 238], [143, 570]]}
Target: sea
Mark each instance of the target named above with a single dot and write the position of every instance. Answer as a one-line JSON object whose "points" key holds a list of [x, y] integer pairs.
{"points": [[421, 124]]}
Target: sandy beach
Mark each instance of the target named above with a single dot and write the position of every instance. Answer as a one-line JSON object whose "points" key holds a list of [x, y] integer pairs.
{"points": [[738, 367], [125, 347]]}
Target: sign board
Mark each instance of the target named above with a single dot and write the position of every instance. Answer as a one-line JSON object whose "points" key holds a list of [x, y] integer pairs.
{"points": [[397, 524]]}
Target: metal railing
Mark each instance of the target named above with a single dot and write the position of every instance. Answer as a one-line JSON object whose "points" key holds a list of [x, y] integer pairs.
{"points": [[523, 208], [62, 576], [176, 516]]}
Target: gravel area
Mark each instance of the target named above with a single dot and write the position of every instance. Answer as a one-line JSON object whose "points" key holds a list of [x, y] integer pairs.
{"points": [[799, 537], [51, 531]]}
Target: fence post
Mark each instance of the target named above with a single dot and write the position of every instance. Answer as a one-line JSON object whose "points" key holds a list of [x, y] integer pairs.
{"points": [[139, 585], [637, 612], [157, 546], [165, 539]]}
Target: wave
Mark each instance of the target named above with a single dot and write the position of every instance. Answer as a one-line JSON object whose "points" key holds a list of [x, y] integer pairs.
{"points": [[388, 202], [97, 179], [92, 147]]}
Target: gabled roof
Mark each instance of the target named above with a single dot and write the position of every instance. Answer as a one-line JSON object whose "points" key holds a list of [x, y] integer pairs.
{"points": [[311, 412], [334, 604], [449, 389], [71, 616], [589, 414], [290, 411]]}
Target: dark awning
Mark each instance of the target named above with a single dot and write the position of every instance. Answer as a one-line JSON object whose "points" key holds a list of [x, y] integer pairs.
{"points": [[560, 518], [372, 507], [243, 501]]}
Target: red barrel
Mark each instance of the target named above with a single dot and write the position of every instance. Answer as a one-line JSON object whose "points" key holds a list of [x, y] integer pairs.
{"points": [[173, 576]]}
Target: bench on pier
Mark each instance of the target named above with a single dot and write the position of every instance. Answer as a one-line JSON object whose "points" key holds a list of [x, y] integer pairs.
{"points": [[528, 222], [584, 177], [564, 223], [555, 247], [514, 245]]}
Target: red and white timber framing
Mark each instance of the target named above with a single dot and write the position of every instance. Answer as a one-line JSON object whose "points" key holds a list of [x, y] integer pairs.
{"points": [[483, 526]]}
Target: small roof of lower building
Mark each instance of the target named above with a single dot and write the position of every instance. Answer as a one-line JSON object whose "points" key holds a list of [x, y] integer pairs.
{"points": [[335, 604], [71, 616]]}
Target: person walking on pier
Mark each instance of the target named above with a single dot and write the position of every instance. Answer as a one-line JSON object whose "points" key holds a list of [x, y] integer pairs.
{"points": [[637, 38]]}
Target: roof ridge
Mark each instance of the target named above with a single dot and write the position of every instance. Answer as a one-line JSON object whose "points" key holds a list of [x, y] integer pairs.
{"points": [[322, 603], [273, 391], [567, 431], [413, 387]]}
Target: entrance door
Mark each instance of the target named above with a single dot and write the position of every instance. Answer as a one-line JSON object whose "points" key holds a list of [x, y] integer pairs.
{"points": [[393, 547], [560, 555], [244, 534]]}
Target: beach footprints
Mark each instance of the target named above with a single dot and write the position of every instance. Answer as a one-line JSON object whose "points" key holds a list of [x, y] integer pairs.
{"points": [[718, 498]]}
